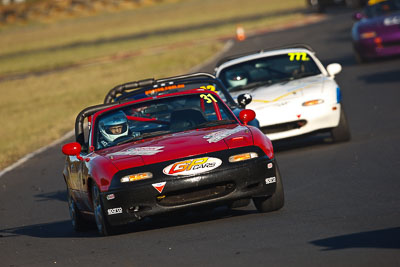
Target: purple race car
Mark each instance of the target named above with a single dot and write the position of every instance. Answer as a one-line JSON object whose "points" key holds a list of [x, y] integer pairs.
{"points": [[377, 31]]}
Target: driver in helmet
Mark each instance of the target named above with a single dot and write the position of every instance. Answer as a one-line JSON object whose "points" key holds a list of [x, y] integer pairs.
{"points": [[112, 127], [236, 78]]}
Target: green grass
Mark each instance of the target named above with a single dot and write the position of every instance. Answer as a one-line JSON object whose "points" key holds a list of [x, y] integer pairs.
{"points": [[39, 109]]}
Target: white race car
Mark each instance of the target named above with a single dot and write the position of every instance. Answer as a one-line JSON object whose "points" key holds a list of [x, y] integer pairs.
{"points": [[290, 91]]}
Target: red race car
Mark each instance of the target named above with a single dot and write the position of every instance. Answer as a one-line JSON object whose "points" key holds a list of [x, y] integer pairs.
{"points": [[166, 153]]}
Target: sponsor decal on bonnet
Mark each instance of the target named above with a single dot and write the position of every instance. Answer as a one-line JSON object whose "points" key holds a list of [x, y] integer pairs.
{"points": [[139, 151], [391, 21], [289, 92], [192, 166], [217, 136]]}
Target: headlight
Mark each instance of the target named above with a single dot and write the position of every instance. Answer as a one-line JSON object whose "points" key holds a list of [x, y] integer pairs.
{"points": [[136, 177], [244, 156], [367, 35], [313, 102]]}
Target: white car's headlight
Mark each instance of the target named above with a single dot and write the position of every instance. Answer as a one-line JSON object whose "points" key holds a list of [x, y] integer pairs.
{"points": [[313, 102], [136, 177], [244, 156]]}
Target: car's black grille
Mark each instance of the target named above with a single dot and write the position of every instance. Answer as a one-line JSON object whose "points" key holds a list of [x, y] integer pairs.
{"points": [[283, 127], [195, 194]]}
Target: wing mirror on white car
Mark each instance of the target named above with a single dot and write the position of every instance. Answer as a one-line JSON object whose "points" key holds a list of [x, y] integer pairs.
{"points": [[244, 100], [358, 16], [334, 69]]}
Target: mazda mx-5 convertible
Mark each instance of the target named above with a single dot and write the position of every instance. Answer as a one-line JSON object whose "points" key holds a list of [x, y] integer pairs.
{"points": [[376, 34], [156, 155], [289, 89]]}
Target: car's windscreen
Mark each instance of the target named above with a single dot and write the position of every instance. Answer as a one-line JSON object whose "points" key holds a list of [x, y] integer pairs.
{"points": [[169, 88], [268, 70], [381, 8], [159, 117]]}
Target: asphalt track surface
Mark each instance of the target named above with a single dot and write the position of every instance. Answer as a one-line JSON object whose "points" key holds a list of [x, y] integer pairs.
{"points": [[342, 200]]}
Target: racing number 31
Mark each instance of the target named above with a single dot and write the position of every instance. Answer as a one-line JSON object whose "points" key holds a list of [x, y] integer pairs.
{"points": [[208, 97], [298, 56]]}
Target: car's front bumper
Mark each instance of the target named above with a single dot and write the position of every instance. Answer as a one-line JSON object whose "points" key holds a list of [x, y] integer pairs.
{"points": [[299, 121], [223, 185], [388, 46]]}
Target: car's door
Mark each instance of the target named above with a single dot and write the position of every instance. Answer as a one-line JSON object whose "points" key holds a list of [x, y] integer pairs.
{"points": [[82, 183], [73, 165]]}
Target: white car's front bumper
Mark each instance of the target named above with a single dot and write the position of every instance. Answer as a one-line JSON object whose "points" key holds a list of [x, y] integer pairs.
{"points": [[281, 121]]}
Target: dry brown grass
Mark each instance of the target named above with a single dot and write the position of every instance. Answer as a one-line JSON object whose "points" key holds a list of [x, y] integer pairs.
{"points": [[39, 109]]}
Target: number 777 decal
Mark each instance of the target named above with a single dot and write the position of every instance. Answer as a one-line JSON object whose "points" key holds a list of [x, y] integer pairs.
{"points": [[298, 56]]}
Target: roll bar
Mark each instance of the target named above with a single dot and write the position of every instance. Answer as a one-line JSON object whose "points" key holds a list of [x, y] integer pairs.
{"points": [[79, 133], [130, 86]]}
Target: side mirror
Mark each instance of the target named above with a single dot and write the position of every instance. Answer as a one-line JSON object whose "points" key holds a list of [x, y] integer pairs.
{"points": [[358, 16], [73, 149], [244, 100], [247, 115], [334, 69]]}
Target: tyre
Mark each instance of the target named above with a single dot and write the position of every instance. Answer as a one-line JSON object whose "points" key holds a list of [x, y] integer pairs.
{"points": [[274, 202], [101, 221], [78, 222], [341, 133], [359, 58]]}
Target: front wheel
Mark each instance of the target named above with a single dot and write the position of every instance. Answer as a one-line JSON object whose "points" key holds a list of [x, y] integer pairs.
{"points": [[341, 133], [274, 202], [102, 225], [78, 222]]}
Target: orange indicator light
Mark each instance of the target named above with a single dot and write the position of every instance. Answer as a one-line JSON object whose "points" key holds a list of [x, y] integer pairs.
{"points": [[313, 102], [136, 177], [241, 157], [368, 35]]}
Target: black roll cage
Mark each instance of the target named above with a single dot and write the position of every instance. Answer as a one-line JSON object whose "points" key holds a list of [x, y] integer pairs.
{"points": [[80, 119], [119, 90], [131, 86]]}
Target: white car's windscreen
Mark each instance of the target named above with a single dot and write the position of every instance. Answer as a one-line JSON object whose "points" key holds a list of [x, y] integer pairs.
{"points": [[268, 70]]}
